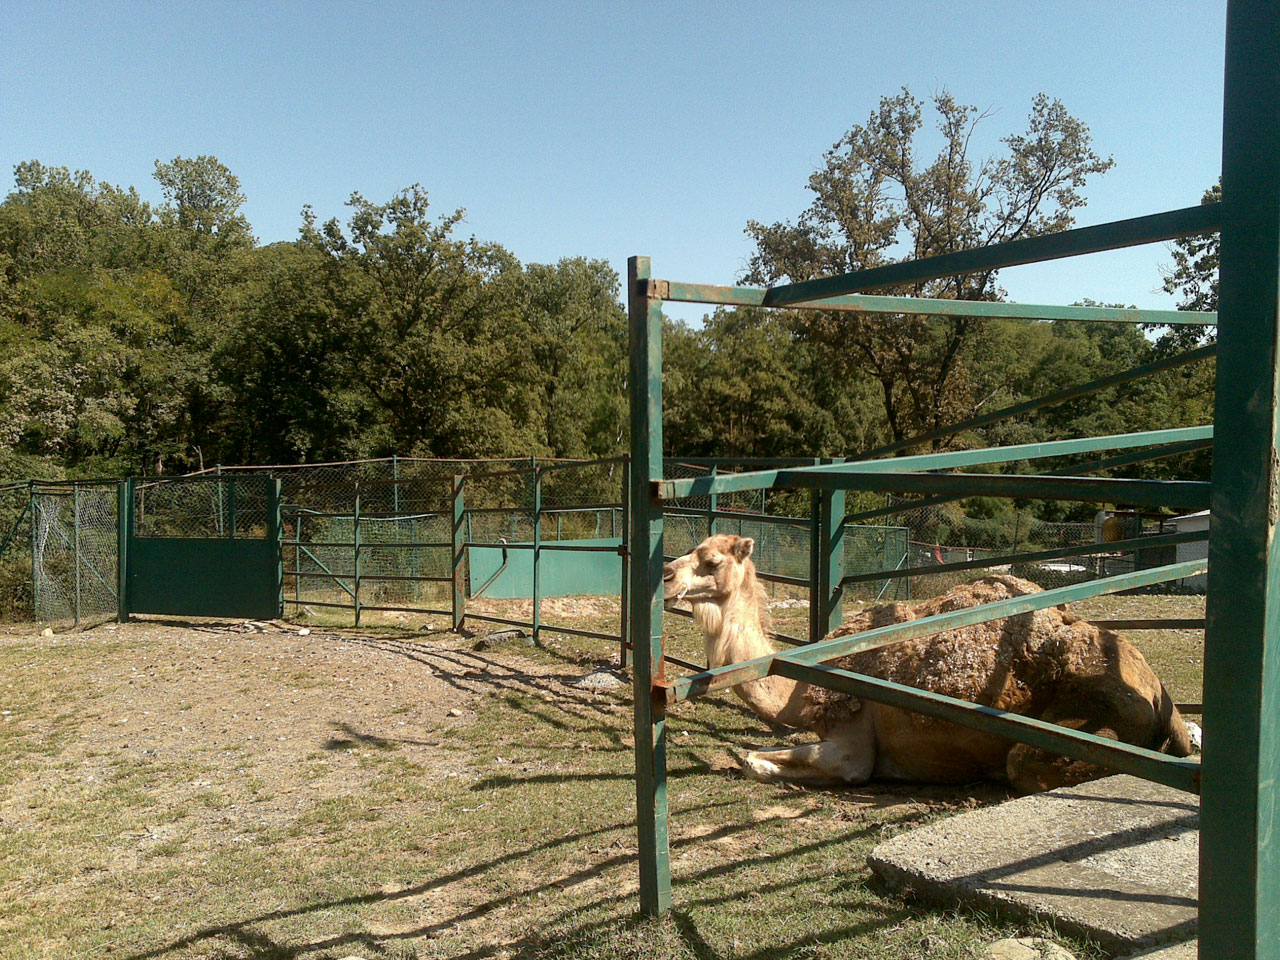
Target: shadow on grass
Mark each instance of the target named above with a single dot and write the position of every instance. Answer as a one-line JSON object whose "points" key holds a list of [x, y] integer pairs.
{"points": [[246, 934]]}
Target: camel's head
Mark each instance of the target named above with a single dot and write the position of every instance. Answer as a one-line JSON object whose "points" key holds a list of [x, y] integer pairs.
{"points": [[713, 571]]}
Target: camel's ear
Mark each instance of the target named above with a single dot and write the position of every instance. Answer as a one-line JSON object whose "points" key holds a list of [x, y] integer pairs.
{"points": [[742, 549]]}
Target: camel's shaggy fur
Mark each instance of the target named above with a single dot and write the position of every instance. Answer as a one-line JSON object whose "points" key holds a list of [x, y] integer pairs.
{"points": [[1047, 664]]}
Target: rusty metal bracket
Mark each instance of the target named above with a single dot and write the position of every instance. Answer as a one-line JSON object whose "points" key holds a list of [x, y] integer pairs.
{"points": [[653, 289]]}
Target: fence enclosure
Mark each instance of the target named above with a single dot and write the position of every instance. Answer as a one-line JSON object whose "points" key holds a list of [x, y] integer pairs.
{"points": [[1240, 814], [384, 535]]}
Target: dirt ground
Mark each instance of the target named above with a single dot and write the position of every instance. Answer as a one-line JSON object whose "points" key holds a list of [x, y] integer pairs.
{"points": [[221, 789]]}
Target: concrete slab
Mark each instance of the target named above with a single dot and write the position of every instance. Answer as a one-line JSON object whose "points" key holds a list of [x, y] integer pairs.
{"points": [[1115, 860]]}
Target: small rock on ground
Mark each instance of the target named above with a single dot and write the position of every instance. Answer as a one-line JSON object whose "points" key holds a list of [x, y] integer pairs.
{"points": [[600, 680], [491, 640], [1026, 948]]}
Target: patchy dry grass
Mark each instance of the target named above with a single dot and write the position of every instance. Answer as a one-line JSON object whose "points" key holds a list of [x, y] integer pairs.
{"points": [[172, 790]]}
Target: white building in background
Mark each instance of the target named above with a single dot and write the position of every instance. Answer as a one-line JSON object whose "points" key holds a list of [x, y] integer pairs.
{"points": [[1192, 523]]}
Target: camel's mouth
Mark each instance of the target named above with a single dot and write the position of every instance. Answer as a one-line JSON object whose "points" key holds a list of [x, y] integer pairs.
{"points": [[680, 582]]}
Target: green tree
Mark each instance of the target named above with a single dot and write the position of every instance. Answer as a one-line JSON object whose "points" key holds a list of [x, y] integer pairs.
{"points": [[579, 351], [874, 202], [1195, 277], [436, 343]]}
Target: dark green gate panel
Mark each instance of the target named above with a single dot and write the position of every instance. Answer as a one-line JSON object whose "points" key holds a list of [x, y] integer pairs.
{"points": [[201, 547], [198, 577], [562, 573]]}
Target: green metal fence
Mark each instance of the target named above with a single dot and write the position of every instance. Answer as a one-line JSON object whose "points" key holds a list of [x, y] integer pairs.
{"points": [[1240, 818]]}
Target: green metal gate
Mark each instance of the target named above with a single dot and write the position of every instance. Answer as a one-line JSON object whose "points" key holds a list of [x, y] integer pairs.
{"points": [[201, 547]]}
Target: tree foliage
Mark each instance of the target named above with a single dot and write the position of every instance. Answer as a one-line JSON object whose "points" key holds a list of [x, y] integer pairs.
{"points": [[160, 337], [875, 201]]}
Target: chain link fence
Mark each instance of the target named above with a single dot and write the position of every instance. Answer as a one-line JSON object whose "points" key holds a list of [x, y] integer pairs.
{"points": [[74, 544], [16, 596], [58, 539]]}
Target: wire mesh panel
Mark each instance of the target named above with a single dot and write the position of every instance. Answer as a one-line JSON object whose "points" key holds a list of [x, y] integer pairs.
{"points": [[942, 533], [16, 600], [870, 549], [74, 551], [232, 507]]}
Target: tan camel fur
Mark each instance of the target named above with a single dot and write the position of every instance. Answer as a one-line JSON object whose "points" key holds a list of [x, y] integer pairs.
{"points": [[1047, 664]]}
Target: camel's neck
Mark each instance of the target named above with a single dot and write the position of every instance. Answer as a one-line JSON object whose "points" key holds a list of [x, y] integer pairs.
{"points": [[733, 633]]}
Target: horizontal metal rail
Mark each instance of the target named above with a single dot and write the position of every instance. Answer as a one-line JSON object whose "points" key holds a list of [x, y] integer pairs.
{"points": [[1048, 400], [320, 603], [372, 544], [1089, 466], [737, 515], [325, 567], [566, 547], [348, 515], [1153, 623], [587, 508], [722, 678], [407, 578], [309, 484], [433, 610], [1189, 221], [1175, 772], [1084, 550], [568, 464], [487, 618], [923, 306], [1178, 494], [763, 479], [577, 632]]}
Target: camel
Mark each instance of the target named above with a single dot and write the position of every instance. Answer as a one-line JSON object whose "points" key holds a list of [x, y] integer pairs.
{"points": [[1048, 664]]}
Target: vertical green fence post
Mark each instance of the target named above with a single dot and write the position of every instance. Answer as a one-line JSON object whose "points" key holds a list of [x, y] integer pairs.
{"points": [[826, 560], [124, 528], [624, 628], [1240, 819], [75, 546], [537, 553], [715, 502], [645, 387], [355, 554], [34, 505], [297, 559], [275, 530], [831, 549], [459, 554]]}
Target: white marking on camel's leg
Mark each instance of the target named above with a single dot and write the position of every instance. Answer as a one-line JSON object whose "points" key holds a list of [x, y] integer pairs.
{"points": [[827, 761]]}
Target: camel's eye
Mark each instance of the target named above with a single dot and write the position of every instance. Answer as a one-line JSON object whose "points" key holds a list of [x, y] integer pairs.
{"points": [[714, 561]]}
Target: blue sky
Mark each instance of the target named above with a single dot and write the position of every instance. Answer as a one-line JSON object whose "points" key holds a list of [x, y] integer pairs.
{"points": [[603, 129]]}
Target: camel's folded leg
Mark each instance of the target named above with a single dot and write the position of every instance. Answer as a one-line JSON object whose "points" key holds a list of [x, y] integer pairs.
{"points": [[827, 761]]}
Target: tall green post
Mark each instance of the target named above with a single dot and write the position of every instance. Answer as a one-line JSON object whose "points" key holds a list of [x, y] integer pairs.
{"points": [[75, 545], [355, 554], [645, 317], [715, 505], [537, 553], [275, 530], [624, 602], [1240, 822], [124, 527], [826, 561], [459, 555]]}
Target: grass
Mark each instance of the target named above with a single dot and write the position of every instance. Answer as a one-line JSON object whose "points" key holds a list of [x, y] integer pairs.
{"points": [[363, 819]]}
